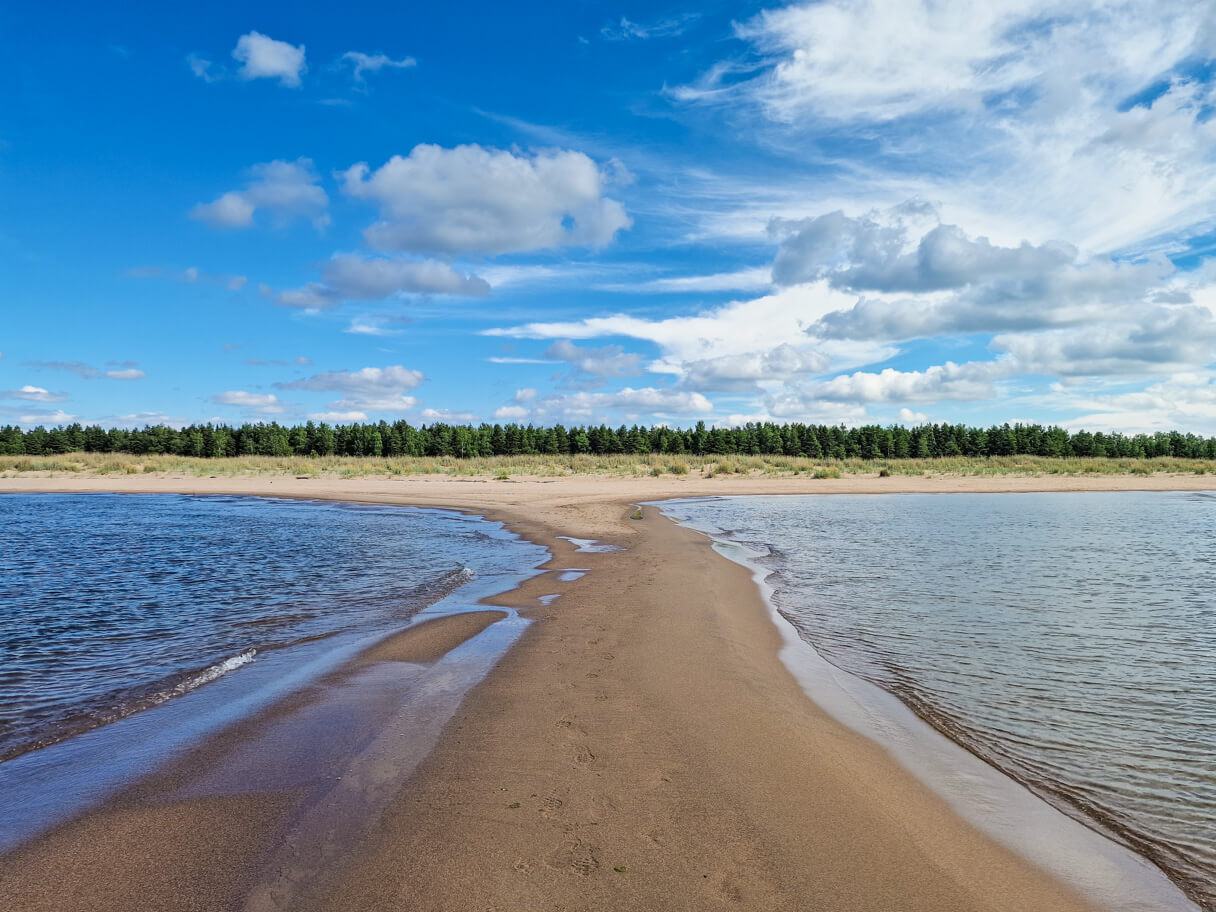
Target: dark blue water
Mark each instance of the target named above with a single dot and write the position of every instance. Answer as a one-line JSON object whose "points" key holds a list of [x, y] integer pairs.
{"points": [[1068, 639], [112, 604]]}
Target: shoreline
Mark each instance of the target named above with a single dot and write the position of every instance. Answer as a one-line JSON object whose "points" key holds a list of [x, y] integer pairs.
{"points": [[1058, 838], [634, 767]]}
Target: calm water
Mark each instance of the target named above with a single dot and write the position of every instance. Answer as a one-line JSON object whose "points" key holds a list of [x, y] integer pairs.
{"points": [[1069, 639], [113, 604]]}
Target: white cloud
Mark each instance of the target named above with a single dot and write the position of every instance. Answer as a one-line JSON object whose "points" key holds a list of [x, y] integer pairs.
{"points": [[262, 57], [471, 199], [446, 416], [511, 413], [32, 417], [609, 361], [142, 419], [527, 394], [313, 296], [627, 30], [970, 381], [261, 403], [285, 190], [367, 380], [367, 326], [230, 210], [875, 252], [124, 370], [33, 394], [372, 63], [907, 416], [739, 328], [1155, 340], [757, 278], [375, 278], [370, 389], [746, 371], [1043, 119], [338, 417], [585, 407], [1184, 401], [202, 68]]}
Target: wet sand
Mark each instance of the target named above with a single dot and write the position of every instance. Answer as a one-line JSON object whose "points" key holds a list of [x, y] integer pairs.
{"points": [[640, 747]]}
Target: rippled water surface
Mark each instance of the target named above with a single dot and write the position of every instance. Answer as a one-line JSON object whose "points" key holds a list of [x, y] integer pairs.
{"points": [[1069, 639], [111, 604]]}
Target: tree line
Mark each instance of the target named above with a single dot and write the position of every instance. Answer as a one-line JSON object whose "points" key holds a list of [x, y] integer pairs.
{"points": [[400, 438]]}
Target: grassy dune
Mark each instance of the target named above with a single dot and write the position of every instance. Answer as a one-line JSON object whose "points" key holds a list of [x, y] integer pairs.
{"points": [[503, 467]]}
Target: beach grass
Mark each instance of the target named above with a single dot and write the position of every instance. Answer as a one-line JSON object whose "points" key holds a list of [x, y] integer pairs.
{"points": [[504, 468]]}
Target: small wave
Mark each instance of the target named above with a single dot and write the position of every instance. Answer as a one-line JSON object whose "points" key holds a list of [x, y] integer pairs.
{"points": [[206, 676], [123, 705]]}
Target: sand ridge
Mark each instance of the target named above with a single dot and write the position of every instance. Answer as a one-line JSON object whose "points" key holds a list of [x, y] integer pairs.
{"points": [[640, 747]]}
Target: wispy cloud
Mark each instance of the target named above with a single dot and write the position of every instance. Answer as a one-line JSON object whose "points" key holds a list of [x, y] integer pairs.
{"points": [[628, 30], [124, 370]]}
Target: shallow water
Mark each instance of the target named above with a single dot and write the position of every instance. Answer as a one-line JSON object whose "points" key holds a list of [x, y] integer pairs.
{"points": [[113, 604], [1068, 639]]}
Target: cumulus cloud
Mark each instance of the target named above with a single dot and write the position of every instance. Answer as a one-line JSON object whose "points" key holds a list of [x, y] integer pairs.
{"points": [[969, 381], [375, 278], [282, 189], [1158, 340], [593, 365], [352, 277], [369, 389], [917, 278], [372, 63], [33, 394], [1184, 401], [471, 199], [259, 403], [745, 372], [869, 254], [312, 296], [585, 407], [262, 57]]}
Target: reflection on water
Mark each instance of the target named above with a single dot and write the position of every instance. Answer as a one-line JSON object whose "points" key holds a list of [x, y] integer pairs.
{"points": [[1069, 639]]}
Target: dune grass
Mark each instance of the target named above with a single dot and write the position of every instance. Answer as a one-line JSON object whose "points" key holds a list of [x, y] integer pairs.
{"points": [[503, 468]]}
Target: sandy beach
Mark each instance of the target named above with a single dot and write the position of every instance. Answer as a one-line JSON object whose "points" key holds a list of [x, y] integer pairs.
{"points": [[640, 747]]}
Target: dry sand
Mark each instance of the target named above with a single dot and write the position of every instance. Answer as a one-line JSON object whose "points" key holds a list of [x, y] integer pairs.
{"points": [[640, 747]]}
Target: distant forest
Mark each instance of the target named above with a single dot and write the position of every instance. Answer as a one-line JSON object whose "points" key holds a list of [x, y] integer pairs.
{"points": [[402, 439]]}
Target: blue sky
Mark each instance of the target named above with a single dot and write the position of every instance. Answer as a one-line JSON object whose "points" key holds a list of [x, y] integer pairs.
{"points": [[584, 212]]}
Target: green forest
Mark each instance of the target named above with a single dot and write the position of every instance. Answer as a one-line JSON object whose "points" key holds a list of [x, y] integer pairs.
{"points": [[465, 441]]}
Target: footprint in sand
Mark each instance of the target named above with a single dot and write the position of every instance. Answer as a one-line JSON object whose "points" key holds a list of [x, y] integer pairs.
{"points": [[576, 857]]}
